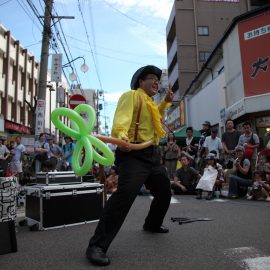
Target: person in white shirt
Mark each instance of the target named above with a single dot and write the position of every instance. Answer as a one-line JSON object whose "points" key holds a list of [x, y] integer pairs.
{"points": [[16, 162], [4, 154], [213, 142]]}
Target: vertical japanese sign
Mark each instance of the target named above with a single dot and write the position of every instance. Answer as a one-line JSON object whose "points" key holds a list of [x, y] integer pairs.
{"points": [[40, 117], [56, 68], [254, 37]]}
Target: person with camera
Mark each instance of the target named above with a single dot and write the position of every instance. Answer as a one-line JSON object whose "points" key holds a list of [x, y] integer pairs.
{"points": [[242, 176], [260, 188], [171, 153]]}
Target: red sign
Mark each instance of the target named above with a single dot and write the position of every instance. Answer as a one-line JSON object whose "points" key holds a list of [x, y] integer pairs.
{"points": [[17, 127], [254, 36], [76, 100]]}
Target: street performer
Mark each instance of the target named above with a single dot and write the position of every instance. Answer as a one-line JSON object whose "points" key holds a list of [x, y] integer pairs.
{"points": [[137, 119]]}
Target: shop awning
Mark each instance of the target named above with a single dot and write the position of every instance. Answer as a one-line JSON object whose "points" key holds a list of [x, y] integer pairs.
{"points": [[180, 136]]}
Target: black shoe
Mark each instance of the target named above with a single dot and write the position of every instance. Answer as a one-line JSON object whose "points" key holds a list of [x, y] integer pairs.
{"points": [[199, 197], [161, 229], [97, 256]]}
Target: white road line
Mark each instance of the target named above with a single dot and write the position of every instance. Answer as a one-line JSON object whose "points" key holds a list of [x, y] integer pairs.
{"points": [[249, 258], [173, 200]]}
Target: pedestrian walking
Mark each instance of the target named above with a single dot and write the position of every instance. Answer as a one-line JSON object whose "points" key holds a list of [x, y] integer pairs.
{"points": [[137, 119]]}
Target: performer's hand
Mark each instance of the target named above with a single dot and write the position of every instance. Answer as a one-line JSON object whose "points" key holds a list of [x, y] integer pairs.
{"points": [[169, 95], [125, 148]]}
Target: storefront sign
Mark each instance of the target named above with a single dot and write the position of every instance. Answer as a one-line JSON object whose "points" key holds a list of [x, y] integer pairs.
{"points": [[173, 115], [182, 113], [17, 127], [255, 54], [263, 122], [236, 110], [222, 113]]}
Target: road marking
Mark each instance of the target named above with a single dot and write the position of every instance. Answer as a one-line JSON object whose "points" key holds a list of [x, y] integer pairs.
{"points": [[220, 200], [173, 200], [249, 258]]}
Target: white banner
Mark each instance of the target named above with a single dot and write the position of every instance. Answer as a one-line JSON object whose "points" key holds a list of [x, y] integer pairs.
{"points": [[40, 117], [56, 69]]}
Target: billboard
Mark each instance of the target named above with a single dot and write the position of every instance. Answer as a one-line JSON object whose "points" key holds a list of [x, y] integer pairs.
{"points": [[254, 38]]}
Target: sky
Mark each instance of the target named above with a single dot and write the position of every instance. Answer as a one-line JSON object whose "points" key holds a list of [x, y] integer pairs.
{"points": [[116, 37]]}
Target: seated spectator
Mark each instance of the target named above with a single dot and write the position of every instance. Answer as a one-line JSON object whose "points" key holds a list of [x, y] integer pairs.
{"points": [[211, 179], [112, 180], [242, 173], [218, 184], [54, 154], [260, 189], [185, 179], [263, 164]]}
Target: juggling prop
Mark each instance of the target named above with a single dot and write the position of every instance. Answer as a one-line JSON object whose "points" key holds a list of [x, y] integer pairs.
{"points": [[81, 131]]}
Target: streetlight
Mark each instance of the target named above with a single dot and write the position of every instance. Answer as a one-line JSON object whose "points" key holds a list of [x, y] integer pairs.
{"points": [[84, 68]]}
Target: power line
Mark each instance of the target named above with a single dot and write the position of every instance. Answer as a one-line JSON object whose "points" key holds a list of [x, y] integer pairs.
{"points": [[89, 43], [129, 17], [117, 51], [23, 6], [5, 3], [111, 57]]}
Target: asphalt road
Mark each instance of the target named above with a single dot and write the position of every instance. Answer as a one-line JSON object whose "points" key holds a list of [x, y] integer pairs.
{"points": [[237, 238]]}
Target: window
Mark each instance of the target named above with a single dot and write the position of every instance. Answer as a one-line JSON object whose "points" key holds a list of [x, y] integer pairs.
{"points": [[203, 56], [203, 31]]}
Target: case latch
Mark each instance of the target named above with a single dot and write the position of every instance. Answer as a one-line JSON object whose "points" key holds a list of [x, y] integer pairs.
{"points": [[99, 190], [47, 195]]}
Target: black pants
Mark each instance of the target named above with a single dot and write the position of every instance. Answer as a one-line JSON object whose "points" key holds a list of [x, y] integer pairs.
{"points": [[178, 191], [135, 169]]}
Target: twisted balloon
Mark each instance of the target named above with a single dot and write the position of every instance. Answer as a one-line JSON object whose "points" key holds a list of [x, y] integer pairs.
{"points": [[81, 130]]}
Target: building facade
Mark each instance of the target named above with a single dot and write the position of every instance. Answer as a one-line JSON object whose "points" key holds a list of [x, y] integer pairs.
{"points": [[235, 80], [18, 85], [193, 30]]}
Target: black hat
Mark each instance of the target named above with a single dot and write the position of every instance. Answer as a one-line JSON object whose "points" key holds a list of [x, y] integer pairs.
{"points": [[211, 156], [143, 71], [206, 123], [239, 148], [214, 130]]}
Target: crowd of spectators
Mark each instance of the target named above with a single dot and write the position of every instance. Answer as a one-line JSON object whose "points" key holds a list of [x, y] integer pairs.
{"points": [[236, 163], [212, 164]]}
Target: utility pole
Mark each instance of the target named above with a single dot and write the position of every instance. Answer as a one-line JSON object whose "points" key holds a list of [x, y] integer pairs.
{"points": [[42, 83]]}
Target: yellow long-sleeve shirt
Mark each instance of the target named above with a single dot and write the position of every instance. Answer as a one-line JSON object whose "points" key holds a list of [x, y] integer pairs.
{"points": [[126, 114]]}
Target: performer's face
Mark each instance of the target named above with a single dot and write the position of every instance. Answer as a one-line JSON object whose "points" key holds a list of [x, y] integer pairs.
{"points": [[150, 84]]}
